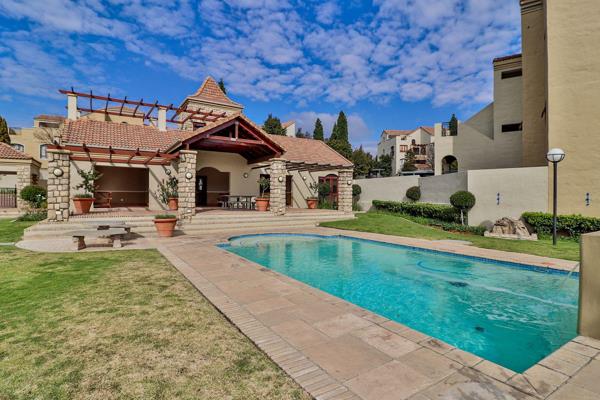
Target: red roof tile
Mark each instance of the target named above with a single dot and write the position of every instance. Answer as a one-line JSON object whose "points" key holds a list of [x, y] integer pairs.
{"points": [[211, 92], [429, 129], [309, 151], [7, 152]]}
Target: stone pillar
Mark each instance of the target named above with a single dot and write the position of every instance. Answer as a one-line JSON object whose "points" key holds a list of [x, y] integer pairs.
{"points": [[589, 286], [186, 175], [72, 107], [277, 172], [59, 185], [23, 179], [345, 190]]}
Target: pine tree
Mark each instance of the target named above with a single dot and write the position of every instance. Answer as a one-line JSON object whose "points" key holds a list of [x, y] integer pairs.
{"points": [[339, 137], [333, 135], [409, 162], [4, 133], [342, 127], [222, 86], [453, 125], [318, 131], [273, 126]]}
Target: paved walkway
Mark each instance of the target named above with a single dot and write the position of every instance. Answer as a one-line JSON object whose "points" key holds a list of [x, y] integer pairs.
{"points": [[336, 350]]}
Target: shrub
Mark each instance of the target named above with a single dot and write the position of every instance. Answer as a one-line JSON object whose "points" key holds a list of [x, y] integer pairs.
{"points": [[462, 201], [413, 193], [88, 181], [34, 195], [326, 205], [356, 190], [165, 216], [440, 212], [33, 216], [567, 225]]}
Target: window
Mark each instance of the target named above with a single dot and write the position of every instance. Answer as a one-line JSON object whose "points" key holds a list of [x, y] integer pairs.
{"points": [[403, 138], [512, 73], [413, 142], [18, 147], [392, 151], [43, 151], [49, 124], [512, 127]]}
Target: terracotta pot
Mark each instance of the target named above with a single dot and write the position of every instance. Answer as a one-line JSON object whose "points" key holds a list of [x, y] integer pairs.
{"points": [[83, 204], [165, 226], [312, 203], [262, 203], [173, 203]]}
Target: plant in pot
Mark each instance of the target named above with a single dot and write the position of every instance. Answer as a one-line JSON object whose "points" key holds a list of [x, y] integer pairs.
{"points": [[313, 200], [83, 201], [165, 224], [167, 192], [262, 202]]}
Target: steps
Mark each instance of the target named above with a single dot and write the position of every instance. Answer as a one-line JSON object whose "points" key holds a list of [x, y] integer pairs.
{"points": [[202, 223]]}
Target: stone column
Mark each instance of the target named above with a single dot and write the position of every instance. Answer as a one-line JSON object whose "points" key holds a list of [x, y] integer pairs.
{"points": [[277, 172], [186, 175], [59, 185], [23, 179], [589, 286], [345, 190]]}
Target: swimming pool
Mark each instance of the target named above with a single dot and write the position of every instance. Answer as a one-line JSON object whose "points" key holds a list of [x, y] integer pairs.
{"points": [[511, 314]]}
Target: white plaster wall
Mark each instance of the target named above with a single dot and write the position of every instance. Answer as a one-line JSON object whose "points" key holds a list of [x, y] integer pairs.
{"points": [[438, 189], [392, 189]]}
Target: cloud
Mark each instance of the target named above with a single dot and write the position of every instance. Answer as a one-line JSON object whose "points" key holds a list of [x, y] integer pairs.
{"points": [[327, 12], [358, 130]]}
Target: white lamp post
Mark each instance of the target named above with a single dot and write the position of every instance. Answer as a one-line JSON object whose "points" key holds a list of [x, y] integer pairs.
{"points": [[555, 156]]}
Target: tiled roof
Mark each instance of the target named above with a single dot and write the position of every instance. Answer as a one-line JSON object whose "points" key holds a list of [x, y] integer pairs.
{"points": [[125, 136], [428, 129], [309, 151], [211, 92], [46, 117], [7, 152], [398, 132], [504, 58]]}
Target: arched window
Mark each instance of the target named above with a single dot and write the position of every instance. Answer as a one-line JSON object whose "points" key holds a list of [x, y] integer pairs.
{"points": [[449, 165], [43, 151], [18, 147]]}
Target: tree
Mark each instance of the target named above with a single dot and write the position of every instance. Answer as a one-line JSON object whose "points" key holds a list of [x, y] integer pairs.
{"points": [[453, 125], [302, 134], [409, 162], [222, 86], [4, 133], [462, 200], [339, 137], [273, 126], [318, 131], [384, 165], [363, 162]]}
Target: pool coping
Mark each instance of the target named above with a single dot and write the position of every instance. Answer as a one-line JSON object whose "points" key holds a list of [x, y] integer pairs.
{"points": [[540, 381]]}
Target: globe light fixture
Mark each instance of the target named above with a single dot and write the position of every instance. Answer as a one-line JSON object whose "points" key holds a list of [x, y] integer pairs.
{"points": [[280, 179], [168, 172], [245, 175], [188, 175], [57, 172], [555, 156], [349, 182]]}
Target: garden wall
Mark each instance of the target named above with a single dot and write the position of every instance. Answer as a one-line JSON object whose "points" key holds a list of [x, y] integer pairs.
{"points": [[438, 189], [392, 188]]}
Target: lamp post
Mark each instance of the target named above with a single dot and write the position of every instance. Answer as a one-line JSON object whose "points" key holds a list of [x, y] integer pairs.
{"points": [[555, 156]]}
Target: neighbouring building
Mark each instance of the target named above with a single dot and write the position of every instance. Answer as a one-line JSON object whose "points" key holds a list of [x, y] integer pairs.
{"points": [[544, 98], [290, 128], [213, 149], [397, 143]]}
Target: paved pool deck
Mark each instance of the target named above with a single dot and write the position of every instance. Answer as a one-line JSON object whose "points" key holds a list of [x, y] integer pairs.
{"points": [[337, 351]]}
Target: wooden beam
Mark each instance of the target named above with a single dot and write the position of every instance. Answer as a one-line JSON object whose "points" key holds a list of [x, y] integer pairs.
{"points": [[106, 160], [115, 151]]}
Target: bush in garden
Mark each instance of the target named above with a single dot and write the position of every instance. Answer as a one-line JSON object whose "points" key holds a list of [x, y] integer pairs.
{"points": [[413, 193], [567, 225], [34, 195], [440, 212], [462, 201]]}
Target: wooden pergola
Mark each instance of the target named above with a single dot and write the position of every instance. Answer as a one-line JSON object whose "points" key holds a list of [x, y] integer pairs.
{"points": [[83, 152], [141, 109], [302, 166]]}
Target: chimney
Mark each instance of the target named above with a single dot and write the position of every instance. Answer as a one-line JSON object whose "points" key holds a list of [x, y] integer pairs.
{"points": [[72, 106], [162, 119]]}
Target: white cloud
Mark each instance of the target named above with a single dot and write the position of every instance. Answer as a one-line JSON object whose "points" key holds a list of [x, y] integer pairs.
{"points": [[358, 130], [327, 12]]}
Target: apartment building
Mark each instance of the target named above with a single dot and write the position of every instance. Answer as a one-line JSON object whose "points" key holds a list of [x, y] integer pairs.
{"points": [[397, 143]]}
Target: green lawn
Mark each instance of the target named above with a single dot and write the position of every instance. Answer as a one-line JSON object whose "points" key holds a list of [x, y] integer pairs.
{"points": [[126, 325], [395, 225], [12, 231]]}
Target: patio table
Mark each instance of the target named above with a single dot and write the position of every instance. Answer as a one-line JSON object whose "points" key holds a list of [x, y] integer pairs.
{"points": [[240, 201]]}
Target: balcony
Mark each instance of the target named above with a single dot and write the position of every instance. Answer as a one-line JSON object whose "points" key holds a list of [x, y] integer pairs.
{"points": [[446, 130]]}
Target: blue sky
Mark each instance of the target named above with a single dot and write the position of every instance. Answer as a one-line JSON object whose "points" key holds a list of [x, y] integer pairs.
{"points": [[389, 64]]}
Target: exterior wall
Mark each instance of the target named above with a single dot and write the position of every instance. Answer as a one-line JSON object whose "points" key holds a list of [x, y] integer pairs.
{"points": [[32, 139], [438, 189], [589, 286], [392, 189], [277, 175], [508, 102], [573, 98], [186, 174], [8, 174], [119, 119], [533, 43], [386, 143], [195, 104], [520, 189]]}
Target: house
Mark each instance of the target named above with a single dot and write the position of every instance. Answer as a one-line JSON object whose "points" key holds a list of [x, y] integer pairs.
{"points": [[207, 142], [396, 144], [290, 128], [17, 170], [546, 97]]}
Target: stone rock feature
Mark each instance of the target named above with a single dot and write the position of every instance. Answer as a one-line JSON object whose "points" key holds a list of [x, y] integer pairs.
{"points": [[511, 228]]}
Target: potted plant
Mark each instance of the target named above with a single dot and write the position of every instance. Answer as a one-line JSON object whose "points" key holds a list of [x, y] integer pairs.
{"points": [[83, 201], [165, 224], [313, 200], [167, 192], [262, 202]]}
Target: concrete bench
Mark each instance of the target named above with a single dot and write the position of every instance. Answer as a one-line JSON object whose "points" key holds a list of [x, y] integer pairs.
{"points": [[103, 225], [115, 236]]}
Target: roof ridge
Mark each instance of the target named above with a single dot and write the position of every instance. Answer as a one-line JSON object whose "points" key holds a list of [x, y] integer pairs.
{"points": [[211, 91]]}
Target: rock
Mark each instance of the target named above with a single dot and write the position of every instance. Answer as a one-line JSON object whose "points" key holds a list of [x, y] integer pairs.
{"points": [[511, 228]]}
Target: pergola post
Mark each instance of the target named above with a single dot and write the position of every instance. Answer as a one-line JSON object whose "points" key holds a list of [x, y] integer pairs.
{"points": [[278, 173], [59, 182], [186, 176], [345, 190]]}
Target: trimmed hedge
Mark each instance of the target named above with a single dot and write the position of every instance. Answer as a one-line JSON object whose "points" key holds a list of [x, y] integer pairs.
{"points": [[567, 225], [440, 212]]}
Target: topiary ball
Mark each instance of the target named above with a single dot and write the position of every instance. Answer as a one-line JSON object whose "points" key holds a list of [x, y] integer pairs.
{"points": [[463, 200], [413, 193]]}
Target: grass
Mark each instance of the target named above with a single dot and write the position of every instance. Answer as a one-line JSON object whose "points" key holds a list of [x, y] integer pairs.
{"points": [[126, 325], [12, 231], [390, 224]]}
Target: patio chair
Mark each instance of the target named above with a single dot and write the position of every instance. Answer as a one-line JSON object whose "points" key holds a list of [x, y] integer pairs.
{"points": [[103, 199]]}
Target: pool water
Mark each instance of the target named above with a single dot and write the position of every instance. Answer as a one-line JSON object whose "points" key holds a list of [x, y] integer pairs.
{"points": [[511, 314]]}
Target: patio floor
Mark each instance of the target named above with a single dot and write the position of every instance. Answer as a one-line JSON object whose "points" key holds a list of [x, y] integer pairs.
{"points": [[337, 350]]}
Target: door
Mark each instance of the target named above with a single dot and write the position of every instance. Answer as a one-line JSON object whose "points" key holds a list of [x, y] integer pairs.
{"points": [[288, 190], [201, 190]]}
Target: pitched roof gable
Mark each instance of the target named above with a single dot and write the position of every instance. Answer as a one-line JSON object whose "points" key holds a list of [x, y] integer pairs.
{"points": [[309, 151], [7, 152], [212, 93]]}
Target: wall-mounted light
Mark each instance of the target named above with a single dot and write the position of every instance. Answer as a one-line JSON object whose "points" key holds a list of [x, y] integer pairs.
{"points": [[245, 175], [303, 177], [497, 199], [280, 179], [188, 175], [588, 199], [57, 172], [349, 182]]}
